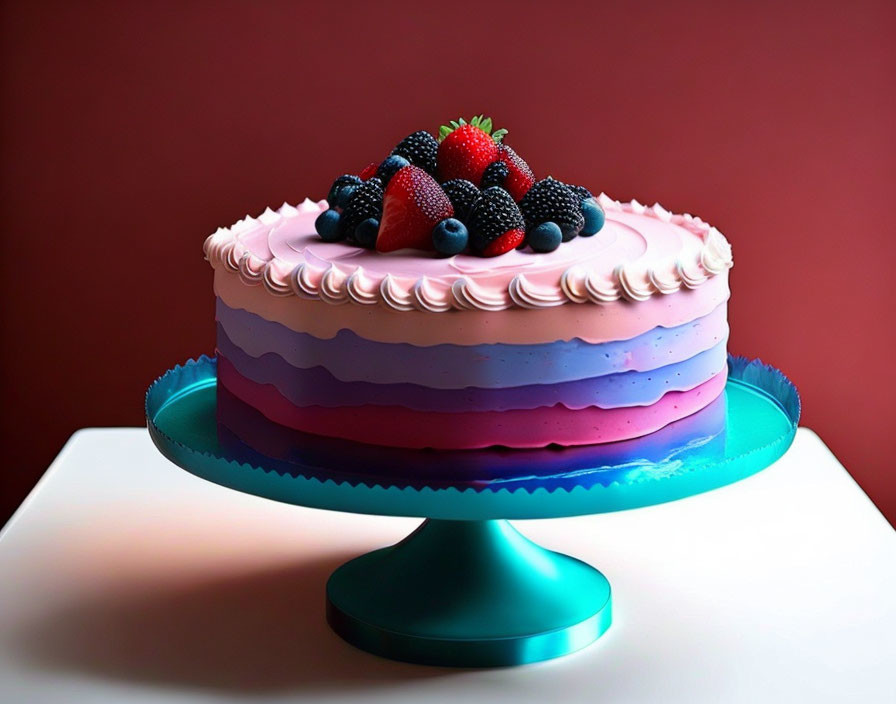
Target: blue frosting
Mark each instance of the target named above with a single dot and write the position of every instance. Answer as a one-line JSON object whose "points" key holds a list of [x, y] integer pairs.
{"points": [[349, 357], [317, 387]]}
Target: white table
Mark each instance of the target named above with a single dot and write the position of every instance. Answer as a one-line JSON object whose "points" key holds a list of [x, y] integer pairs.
{"points": [[126, 579]]}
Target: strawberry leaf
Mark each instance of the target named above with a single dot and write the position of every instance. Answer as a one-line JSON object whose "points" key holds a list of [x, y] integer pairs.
{"points": [[481, 121]]}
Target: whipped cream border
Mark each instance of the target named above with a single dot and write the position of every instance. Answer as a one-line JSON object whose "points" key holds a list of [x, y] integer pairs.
{"points": [[577, 284]]}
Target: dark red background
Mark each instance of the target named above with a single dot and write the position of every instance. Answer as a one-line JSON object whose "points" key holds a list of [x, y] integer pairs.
{"points": [[131, 131]]}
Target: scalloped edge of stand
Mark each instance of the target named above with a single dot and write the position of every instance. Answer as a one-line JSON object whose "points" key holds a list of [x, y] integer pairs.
{"points": [[468, 503]]}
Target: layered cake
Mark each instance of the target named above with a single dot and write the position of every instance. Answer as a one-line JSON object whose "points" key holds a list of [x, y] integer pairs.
{"points": [[448, 298]]}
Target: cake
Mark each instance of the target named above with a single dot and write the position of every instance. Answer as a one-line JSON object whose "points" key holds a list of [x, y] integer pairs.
{"points": [[410, 310]]}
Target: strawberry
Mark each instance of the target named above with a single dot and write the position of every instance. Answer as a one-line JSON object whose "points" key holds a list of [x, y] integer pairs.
{"points": [[509, 240], [520, 178], [413, 205], [368, 171], [466, 149]]}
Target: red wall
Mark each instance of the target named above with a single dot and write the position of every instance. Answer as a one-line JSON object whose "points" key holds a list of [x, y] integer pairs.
{"points": [[130, 131]]}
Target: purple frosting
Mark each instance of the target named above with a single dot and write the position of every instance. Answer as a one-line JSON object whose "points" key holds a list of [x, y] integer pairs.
{"points": [[317, 387], [349, 357]]}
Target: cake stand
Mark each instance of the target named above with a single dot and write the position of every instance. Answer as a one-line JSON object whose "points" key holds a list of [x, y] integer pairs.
{"points": [[466, 589]]}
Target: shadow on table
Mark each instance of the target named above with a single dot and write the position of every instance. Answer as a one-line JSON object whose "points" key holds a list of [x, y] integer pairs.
{"points": [[263, 631]]}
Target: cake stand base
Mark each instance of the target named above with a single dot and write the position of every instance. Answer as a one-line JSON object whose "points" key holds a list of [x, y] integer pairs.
{"points": [[468, 594]]}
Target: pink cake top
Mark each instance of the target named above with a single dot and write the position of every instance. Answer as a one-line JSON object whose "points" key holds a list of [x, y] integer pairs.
{"points": [[640, 252]]}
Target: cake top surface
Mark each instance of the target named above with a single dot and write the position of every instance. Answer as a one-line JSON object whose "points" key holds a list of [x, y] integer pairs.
{"points": [[639, 252]]}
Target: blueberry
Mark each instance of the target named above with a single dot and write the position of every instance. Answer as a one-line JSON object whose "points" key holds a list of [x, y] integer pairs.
{"points": [[545, 238], [594, 217], [344, 196], [390, 166], [366, 232], [450, 236], [327, 225]]}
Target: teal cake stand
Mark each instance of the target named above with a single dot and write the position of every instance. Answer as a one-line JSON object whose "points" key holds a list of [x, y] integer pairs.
{"points": [[466, 589]]}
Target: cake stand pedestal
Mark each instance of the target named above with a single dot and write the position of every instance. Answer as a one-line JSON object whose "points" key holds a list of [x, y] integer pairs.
{"points": [[468, 593], [466, 589]]}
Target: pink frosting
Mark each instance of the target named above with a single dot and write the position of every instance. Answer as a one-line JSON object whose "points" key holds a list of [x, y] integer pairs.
{"points": [[402, 427], [619, 320], [639, 253]]}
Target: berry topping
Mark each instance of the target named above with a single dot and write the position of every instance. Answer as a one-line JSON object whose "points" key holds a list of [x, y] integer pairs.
{"points": [[327, 226], [495, 215], [412, 205], [340, 183], [495, 174], [462, 195], [390, 166], [581, 192], [419, 149], [466, 149], [520, 178], [545, 237], [366, 232], [368, 171], [450, 237], [551, 201], [488, 203], [366, 202], [512, 239], [594, 217]]}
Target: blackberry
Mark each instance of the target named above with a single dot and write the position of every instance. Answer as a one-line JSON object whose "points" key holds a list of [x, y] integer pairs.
{"points": [[420, 149], [494, 214], [551, 201], [580, 192], [366, 202], [339, 184], [462, 194], [495, 174]]}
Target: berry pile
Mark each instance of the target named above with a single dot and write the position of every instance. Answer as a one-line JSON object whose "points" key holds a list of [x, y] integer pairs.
{"points": [[466, 191]]}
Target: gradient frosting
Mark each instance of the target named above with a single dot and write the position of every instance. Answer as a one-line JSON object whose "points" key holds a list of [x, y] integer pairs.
{"points": [[396, 426], [318, 387], [606, 339], [351, 358], [252, 438]]}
